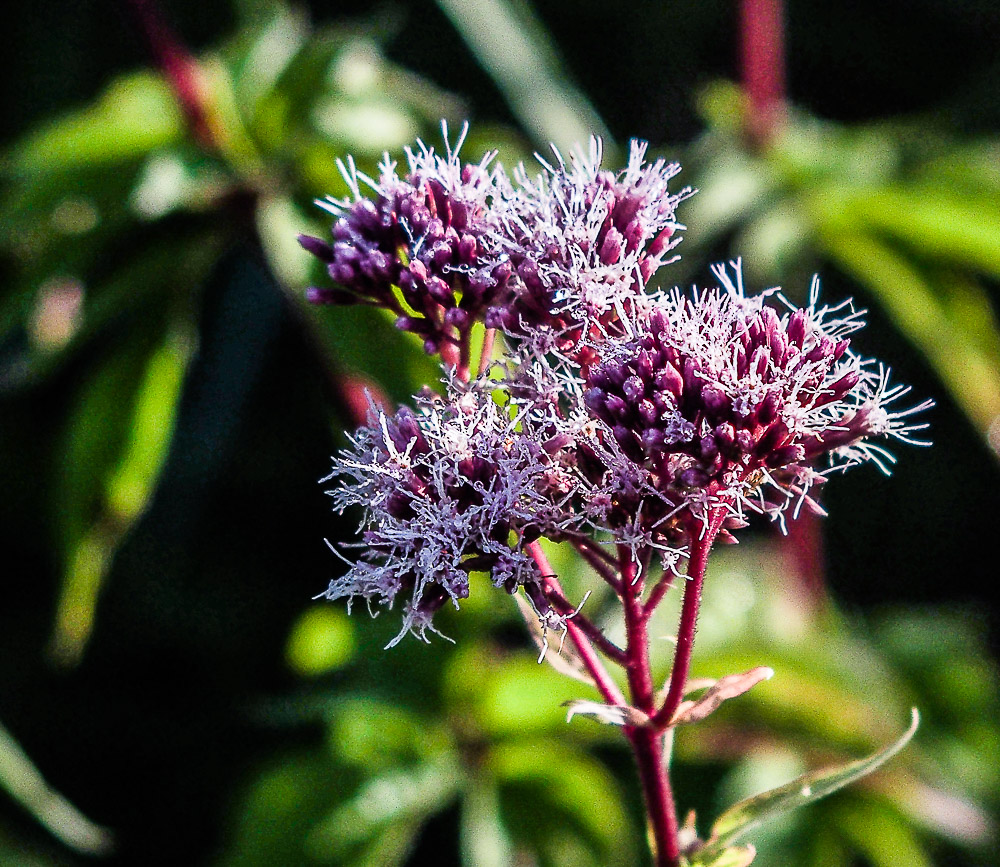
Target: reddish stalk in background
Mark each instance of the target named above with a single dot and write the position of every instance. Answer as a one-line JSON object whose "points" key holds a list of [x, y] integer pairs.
{"points": [[762, 63], [177, 66]]}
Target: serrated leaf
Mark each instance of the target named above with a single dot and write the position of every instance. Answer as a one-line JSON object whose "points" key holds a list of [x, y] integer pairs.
{"points": [[753, 812]]}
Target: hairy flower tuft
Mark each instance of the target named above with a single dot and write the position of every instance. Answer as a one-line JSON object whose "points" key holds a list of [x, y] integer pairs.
{"points": [[416, 247], [723, 399], [581, 240], [453, 488]]}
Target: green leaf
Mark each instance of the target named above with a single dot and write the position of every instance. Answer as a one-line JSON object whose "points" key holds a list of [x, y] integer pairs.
{"points": [[880, 833], [136, 114], [515, 50], [322, 641], [962, 229], [483, 840], [26, 785], [949, 320], [546, 787], [117, 446], [739, 856], [750, 814], [402, 798]]}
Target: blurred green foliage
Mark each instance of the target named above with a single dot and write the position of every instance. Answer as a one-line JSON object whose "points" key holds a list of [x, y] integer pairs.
{"points": [[117, 226]]}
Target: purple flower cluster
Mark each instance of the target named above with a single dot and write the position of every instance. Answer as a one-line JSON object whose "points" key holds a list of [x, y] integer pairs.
{"points": [[452, 244], [448, 490], [724, 400], [417, 247], [624, 416], [582, 240]]}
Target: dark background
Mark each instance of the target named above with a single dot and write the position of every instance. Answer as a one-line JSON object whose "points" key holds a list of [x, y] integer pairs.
{"points": [[200, 599]]}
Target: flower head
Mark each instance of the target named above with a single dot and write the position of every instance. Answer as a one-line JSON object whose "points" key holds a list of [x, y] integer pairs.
{"points": [[581, 239], [716, 394], [453, 488], [415, 248]]}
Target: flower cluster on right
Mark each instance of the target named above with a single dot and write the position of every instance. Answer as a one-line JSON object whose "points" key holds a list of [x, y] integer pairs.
{"points": [[608, 413]]}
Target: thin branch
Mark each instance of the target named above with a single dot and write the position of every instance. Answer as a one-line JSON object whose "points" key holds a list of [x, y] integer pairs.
{"points": [[659, 591], [605, 685], [178, 67], [647, 742], [598, 560], [700, 547]]}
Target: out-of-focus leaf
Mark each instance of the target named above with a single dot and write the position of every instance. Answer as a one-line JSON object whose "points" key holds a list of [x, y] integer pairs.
{"points": [[747, 815], [136, 114], [27, 786], [483, 842], [520, 695], [377, 734], [547, 788], [281, 807], [322, 640], [118, 443], [516, 52], [880, 834], [955, 229], [366, 341], [739, 856], [385, 804], [961, 339]]}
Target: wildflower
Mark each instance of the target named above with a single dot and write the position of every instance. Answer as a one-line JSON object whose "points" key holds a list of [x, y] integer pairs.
{"points": [[415, 248], [451, 489], [581, 240], [721, 399]]}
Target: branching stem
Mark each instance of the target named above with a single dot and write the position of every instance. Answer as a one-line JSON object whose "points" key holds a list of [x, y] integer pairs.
{"points": [[647, 743], [602, 680]]}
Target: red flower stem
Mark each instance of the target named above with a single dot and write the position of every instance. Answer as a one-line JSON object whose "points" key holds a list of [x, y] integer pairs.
{"points": [[647, 747], [762, 63], [602, 680], [553, 592], [647, 743], [698, 560]]}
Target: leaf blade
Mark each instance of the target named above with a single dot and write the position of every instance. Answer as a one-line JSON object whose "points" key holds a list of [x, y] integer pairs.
{"points": [[753, 812]]}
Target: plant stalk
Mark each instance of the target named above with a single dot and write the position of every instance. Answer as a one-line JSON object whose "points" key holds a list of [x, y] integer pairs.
{"points": [[647, 742], [697, 562], [762, 63]]}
